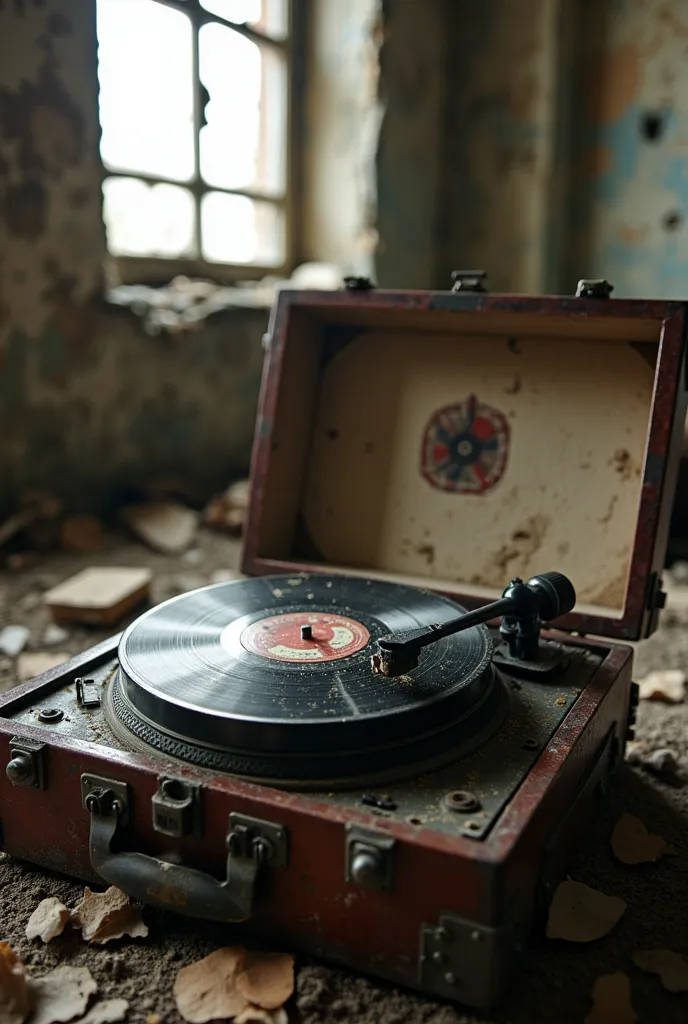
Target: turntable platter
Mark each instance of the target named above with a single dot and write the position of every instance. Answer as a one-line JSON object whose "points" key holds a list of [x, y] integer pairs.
{"points": [[271, 678]]}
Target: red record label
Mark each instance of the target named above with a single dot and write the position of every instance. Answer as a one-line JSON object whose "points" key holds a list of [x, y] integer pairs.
{"points": [[305, 636]]}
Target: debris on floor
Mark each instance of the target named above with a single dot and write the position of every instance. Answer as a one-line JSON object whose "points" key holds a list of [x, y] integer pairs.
{"points": [[667, 685], [54, 635], [671, 967], [611, 1001], [61, 995], [48, 920], [104, 916], [109, 1011], [234, 983], [227, 511], [633, 844], [581, 914], [99, 595], [13, 640], [662, 762], [34, 663], [15, 1001], [81, 533], [165, 526]]}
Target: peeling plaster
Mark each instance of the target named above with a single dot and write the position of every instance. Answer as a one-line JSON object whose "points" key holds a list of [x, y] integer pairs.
{"points": [[631, 204]]}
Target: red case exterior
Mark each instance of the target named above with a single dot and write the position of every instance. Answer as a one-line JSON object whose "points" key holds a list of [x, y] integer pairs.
{"points": [[493, 886]]}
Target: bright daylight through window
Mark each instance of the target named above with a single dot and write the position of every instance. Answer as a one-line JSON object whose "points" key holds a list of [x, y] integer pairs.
{"points": [[193, 111]]}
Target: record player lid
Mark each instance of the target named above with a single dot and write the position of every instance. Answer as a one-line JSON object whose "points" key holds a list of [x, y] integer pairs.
{"points": [[458, 440]]}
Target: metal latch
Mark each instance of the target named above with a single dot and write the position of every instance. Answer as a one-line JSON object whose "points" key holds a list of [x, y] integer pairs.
{"points": [[251, 844], [177, 808], [594, 289], [26, 765], [469, 280], [87, 693], [369, 859], [353, 283]]}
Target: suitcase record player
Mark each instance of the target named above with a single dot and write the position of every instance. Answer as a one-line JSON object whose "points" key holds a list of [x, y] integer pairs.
{"points": [[381, 745]]}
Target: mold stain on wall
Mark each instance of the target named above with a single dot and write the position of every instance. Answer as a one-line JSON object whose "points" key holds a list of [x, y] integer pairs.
{"points": [[89, 404]]}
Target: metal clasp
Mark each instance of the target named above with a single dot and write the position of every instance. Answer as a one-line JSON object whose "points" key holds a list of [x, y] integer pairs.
{"points": [[469, 280]]}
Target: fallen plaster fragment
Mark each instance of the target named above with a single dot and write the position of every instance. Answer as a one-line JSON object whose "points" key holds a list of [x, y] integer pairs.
{"points": [[257, 1015], [54, 634], [633, 844], [662, 762], [48, 920], [581, 914], [62, 994], [671, 967], [109, 1011], [207, 990], [13, 640], [15, 999], [611, 1001], [165, 526], [667, 685], [103, 916]]}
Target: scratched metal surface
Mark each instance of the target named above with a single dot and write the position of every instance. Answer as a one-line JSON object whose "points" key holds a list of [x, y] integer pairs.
{"points": [[492, 774]]}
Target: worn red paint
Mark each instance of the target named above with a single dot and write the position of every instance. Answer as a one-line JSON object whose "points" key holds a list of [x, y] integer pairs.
{"points": [[308, 905], [664, 437]]}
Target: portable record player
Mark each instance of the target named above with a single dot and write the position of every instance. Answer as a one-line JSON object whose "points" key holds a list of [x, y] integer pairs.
{"points": [[370, 749]]}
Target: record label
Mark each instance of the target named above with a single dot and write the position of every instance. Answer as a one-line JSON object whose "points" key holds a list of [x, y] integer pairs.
{"points": [[305, 636], [465, 447]]}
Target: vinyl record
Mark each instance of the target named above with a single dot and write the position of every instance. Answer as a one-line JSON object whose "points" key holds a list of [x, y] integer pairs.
{"points": [[271, 678]]}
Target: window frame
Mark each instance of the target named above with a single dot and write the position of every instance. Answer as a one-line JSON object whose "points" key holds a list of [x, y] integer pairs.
{"points": [[129, 269]]}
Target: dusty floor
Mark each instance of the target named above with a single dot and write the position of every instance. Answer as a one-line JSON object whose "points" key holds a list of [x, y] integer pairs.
{"points": [[557, 979]]}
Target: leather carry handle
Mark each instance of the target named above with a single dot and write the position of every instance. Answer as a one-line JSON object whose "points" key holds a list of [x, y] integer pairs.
{"points": [[161, 884]]}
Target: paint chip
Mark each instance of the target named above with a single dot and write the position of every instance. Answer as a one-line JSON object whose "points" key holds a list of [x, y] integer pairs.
{"points": [[164, 525], [256, 1015], [62, 994], [103, 916], [48, 920], [667, 685], [581, 914], [206, 990], [633, 844], [267, 979], [15, 1001], [611, 1001], [671, 967]]}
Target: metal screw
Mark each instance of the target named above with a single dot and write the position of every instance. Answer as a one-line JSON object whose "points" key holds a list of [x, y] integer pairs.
{"points": [[51, 715], [530, 744], [20, 770], [438, 956], [476, 936], [263, 849], [462, 801], [450, 978]]}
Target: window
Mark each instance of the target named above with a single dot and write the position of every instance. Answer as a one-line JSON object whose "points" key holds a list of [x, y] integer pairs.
{"points": [[194, 110]]}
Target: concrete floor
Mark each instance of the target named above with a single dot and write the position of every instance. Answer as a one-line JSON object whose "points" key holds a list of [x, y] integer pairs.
{"points": [[557, 979]]}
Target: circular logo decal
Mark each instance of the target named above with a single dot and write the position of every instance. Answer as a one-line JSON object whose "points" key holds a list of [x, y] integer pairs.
{"points": [[465, 447], [305, 636]]}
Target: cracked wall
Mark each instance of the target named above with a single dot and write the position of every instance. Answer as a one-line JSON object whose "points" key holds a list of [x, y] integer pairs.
{"points": [[90, 406]]}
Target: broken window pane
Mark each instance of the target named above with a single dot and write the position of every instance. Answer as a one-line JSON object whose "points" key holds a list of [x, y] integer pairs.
{"points": [[271, 17], [145, 70], [148, 220], [242, 145], [235, 229]]}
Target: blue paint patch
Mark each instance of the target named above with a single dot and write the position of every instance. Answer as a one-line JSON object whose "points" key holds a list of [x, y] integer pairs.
{"points": [[622, 138], [675, 177]]}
